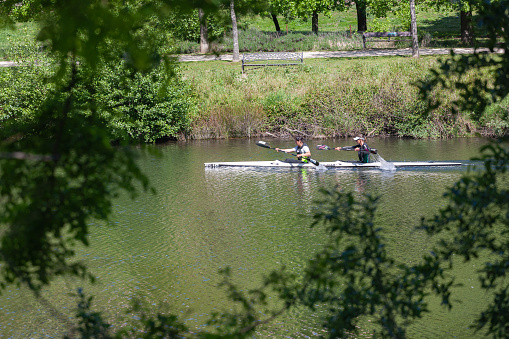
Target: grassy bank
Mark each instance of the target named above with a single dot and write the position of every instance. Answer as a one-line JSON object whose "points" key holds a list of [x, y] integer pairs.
{"points": [[328, 98]]}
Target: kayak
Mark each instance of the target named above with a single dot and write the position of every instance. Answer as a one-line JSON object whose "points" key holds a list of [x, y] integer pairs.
{"points": [[335, 164]]}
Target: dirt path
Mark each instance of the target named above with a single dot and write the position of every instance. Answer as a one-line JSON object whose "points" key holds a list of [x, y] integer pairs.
{"points": [[338, 54], [347, 54]]}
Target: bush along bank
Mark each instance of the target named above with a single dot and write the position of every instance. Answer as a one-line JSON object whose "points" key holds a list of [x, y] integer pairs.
{"points": [[142, 107], [332, 98]]}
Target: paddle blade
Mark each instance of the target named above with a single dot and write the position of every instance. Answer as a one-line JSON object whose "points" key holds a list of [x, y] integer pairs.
{"points": [[314, 162], [307, 159], [262, 144], [323, 147]]}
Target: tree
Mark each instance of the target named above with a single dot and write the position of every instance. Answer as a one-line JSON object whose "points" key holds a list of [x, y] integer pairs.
{"points": [[273, 8], [467, 28], [353, 275], [378, 8], [307, 8], [204, 37], [415, 39], [235, 32], [465, 7], [362, 21], [60, 168], [276, 22], [476, 91]]}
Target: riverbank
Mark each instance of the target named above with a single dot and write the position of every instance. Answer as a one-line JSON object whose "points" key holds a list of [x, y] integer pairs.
{"points": [[329, 97], [332, 94]]}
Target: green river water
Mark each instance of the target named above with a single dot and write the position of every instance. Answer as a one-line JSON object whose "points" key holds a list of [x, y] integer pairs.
{"points": [[166, 248]]}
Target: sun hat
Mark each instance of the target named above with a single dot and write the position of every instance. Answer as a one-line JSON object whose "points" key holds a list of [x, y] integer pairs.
{"points": [[357, 138]]}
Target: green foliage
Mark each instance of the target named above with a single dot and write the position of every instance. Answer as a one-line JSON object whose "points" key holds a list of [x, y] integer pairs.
{"points": [[252, 39], [18, 41], [186, 26], [87, 29], [282, 110], [304, 8], [90, 323], [141, 105], [59, 171], [335, 97], [23, 91], [490, 82], [475, 224], [354, 275], [495, 117], [381, 25]]}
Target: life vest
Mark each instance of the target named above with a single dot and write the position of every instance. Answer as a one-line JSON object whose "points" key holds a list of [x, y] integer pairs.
{"points": [[298, 149], [364, 153]]}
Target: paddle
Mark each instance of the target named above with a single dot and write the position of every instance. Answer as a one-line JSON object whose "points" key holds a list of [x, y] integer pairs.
{"points": [[304, 159], [348, 148]]}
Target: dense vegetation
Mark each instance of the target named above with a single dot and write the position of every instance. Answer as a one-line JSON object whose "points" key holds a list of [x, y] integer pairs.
{"points": [[323, 98], [331, 98]]}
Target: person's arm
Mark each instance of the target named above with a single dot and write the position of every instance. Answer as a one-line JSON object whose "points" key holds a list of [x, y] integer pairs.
{"points": [[347, 148], [286, 150]]}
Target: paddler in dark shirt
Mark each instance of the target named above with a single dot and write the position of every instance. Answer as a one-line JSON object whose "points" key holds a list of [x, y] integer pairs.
{"points": [[361, 148]]}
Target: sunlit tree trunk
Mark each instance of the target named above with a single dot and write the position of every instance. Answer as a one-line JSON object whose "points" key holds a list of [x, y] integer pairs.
{"points": [[235, 32], [204, 35], [314, 22], [362, 21], [415, 41]]}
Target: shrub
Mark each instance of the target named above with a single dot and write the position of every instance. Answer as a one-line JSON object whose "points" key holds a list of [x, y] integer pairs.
{"points": [[143, 105], [24, 90], [186, 27]]}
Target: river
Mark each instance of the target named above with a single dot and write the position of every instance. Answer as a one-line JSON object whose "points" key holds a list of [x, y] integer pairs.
{"points": [[166, 248]]}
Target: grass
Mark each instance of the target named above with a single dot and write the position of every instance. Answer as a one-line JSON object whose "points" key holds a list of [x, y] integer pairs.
{"points": [[18, 41], [325, 98]]}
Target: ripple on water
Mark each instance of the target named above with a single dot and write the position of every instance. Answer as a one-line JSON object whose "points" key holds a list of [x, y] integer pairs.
{"points": [[167, 248]]}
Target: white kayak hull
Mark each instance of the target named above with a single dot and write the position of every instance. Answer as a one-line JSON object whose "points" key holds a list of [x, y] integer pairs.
{"points": [[336, 164]]}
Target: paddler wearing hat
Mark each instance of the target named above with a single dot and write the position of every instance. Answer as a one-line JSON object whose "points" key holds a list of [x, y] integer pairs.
{"points": [[362, 149]]}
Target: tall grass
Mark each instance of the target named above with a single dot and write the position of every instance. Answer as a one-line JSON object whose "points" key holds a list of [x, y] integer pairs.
{"points": [[329, 98]]}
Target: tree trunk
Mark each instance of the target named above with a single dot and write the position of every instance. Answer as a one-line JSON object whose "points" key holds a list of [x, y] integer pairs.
{"points": [[362, 21], [236, 53], [314, 22], [413, 24], [467, 29], [204, 34], [276, 23]]}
